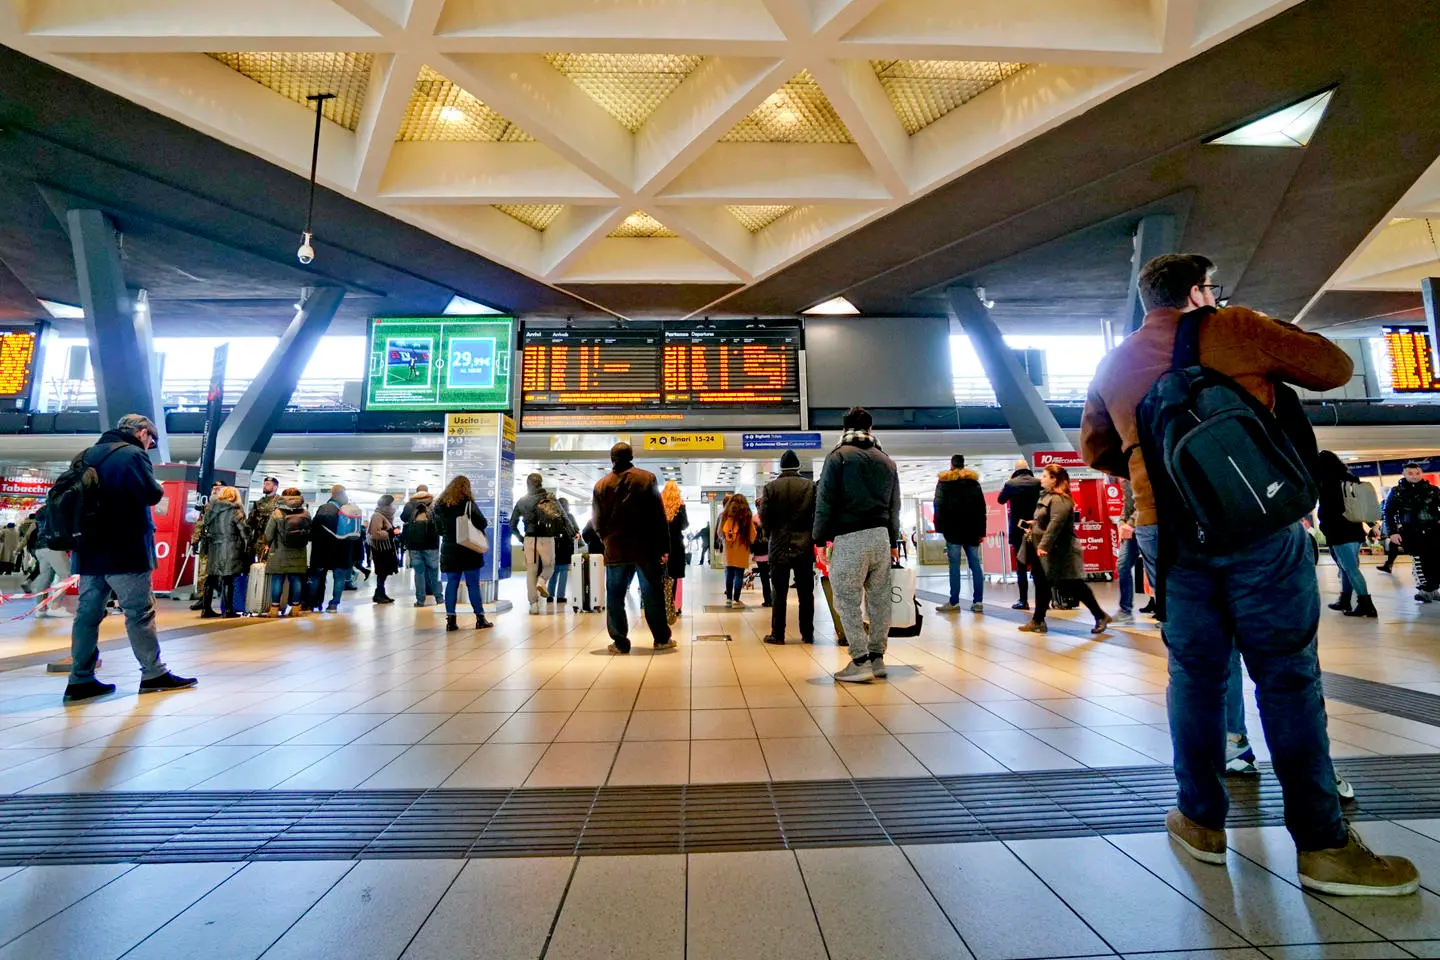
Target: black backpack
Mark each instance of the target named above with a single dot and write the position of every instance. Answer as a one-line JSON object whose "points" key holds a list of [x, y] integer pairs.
{"points": [[549, 517], [295, 530], [74, 501], [1224, 471], [416, 534]]}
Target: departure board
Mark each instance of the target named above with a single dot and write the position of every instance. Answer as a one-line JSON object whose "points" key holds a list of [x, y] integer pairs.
{"points": [[1412, 360], [18, 347], [678, 376]]}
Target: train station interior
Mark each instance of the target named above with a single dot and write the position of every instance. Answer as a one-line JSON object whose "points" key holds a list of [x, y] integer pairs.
{"points": [[319, 259]]}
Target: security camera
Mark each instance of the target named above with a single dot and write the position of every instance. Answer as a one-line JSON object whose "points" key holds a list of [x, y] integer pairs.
{"points": [[306, 253]]}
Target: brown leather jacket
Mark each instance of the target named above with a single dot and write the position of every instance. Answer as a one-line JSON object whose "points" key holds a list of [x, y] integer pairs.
{"points": [[1255, 350], [629, 517]]}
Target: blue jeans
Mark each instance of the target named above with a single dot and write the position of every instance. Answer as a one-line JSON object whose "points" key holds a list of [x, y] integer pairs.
{"points": [[1125, 573], [277, 587], [339, 577], [426, 564], [133, 593], [977, 576], [652, 600], [1347, 558], [1264, 600], [472, 588], [734, 582], [559, 580]]}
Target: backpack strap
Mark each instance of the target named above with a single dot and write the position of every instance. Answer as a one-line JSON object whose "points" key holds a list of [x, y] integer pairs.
{"points": [[1187, 338]]}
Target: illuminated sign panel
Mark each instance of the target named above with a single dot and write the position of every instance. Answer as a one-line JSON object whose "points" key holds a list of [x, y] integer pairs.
{"points": [[1412, 360], [684, 375], [442, 363], [18, 346]]}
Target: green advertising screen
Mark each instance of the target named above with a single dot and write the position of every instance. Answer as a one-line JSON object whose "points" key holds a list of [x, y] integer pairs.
{"points": [[439, 363]]}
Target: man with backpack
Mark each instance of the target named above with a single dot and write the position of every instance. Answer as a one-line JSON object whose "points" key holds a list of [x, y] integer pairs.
{"points": [[787, 512], [538, 518], [100, 509], [1412, 520], [53, 565], [421, 535], [334, 547], [1210, 377]]}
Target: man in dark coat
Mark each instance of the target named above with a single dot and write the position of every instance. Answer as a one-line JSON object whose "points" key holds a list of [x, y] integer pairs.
{"points": [[787, 512], [117, 553], [960, 518], [630, 518], [329, 553], [1020, 495]]}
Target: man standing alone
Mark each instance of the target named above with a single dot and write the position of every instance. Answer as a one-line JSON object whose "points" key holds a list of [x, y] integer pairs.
{"points": [[630, 518], [1019, 497], [857, 506], [960, 519], [787, 512]]}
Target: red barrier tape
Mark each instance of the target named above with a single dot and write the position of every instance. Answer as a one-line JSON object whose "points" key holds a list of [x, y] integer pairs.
{"points": [[48, 596]]}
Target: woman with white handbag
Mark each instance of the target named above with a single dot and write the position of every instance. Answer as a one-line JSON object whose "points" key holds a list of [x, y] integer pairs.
{"points": [[463, 546]]}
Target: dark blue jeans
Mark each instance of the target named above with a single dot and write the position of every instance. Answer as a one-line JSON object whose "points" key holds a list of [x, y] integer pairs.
{"points": [[734, 582], [1125, 573], [1266, 598], [278, 583], [472, 590], [953, 552], [339, 578], [652, 600]]}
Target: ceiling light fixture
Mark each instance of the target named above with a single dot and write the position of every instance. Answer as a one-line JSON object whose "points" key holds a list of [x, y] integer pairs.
{"points": [[834, 307], [306, 253], [452, 114], [63, 311], [787, 116], [1291, 126]]}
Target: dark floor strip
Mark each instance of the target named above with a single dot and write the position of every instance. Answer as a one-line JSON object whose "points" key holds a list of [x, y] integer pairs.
{"points": [[1383, 698], [366, 824]]}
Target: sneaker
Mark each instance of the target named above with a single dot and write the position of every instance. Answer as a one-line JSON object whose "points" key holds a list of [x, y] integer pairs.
{"points": [[1022, 605], [1425, 596], [89, 690], [947, 607], [1344, 787], [665, 644], [772, 639], [767, 603], [856, 673], [332, 608], [616, 650], [877, 665], [1102, 624], [739, 603], [166, 681], [543, 590], [1239, 758], [1202, 843], [534, 608], [1149, 607], [1123, 618], [1354, 871], [977, 608], [1030, 626], [729, 603]]}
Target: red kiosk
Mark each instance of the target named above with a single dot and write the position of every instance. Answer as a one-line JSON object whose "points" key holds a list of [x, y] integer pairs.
{"points": [[1098, 503]]}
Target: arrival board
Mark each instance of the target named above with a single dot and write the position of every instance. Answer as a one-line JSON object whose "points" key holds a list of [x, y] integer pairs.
{"points": [[679, 377], [1412, 360]]}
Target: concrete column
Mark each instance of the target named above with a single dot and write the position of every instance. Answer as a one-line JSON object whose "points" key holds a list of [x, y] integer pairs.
{"points": [[1034, 426], [247, 430], [121, 351], [1156, 234]]}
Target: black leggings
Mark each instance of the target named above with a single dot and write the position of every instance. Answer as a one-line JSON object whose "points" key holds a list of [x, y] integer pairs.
{"points": [[1043, 590]]}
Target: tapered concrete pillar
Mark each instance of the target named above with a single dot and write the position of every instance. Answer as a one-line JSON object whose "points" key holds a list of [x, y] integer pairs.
{"points": [[1156, 234]]}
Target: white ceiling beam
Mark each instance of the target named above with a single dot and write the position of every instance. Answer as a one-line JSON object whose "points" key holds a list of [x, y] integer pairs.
{"points": [[792, 16], [548, 106], [392, 79], [715, 97], [1097, 25], [180, 18], [1219, 20], [855, 93], [943, 48], [1422, 199], [423, 18], [645, 260], [1397, 249], [481, 229], [832, 19], [205, 43], [385, 17], [430, 172], [570, 43], [573, 234], [12, 19], [717, 234], [800, 231], [766, 173], [1175, 21], [623, 19]]}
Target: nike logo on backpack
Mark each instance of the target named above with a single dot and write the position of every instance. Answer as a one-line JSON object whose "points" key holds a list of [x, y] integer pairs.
{"points": [[1273, 489]]}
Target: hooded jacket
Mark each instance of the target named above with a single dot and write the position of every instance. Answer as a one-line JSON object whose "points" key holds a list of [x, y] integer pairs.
{"points": [[281, 558], [328, 551], [226, 542], [425, 536], [629, 516], [1020, 495], [787, 512], [524, 511], [859, 489], [960, 507], [123, 538]]}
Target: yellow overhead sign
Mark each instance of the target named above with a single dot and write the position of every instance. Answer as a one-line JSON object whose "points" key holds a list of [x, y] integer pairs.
{"points": [[683, 442]]}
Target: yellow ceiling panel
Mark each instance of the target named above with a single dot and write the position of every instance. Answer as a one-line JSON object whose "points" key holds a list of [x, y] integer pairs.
{"points": [[641, 224], [757, 217], [440, 111], [798, 112], [298, 75], [628, 85], [923, 91], [538, 216]]}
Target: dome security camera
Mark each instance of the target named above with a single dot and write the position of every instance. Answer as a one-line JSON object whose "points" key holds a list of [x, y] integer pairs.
{"points": [[306, 253]]}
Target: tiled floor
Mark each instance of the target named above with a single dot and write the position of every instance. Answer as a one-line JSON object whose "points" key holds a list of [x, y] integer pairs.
{"points": [[384, 698]]}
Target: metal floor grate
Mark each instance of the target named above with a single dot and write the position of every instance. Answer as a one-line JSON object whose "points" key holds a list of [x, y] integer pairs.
{"points": [[1383, 698], [366, 824]]}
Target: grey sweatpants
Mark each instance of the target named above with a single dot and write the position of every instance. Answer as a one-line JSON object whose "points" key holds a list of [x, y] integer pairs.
{"points": [[860, 564]]}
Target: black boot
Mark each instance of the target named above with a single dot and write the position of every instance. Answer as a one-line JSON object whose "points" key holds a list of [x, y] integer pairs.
{"points": [[1364, 607], [481, 623], [450, 625], [1343, 604]]}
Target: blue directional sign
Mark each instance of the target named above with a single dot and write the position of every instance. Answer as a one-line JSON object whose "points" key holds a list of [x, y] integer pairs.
{"points": [[780, 441]]}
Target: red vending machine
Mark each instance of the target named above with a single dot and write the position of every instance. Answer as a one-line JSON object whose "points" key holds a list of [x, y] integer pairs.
{"points": [[175, 517], [1095, 513]]}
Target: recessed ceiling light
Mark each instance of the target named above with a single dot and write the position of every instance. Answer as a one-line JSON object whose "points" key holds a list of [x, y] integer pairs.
{"points": [[787, 116], [463, 307], [834, 307], [63, 311], [1291, 126], [776, 99], [635, 220], [452, 114]]}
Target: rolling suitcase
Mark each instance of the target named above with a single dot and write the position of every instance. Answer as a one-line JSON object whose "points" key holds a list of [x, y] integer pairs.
{"points": [[590, 598], [257, 590]]}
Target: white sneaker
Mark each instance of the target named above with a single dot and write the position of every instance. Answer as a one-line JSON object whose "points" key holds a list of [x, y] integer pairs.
{"points": [[856, 673], [947, 607], [1123, 618], [877, 667], [534, 608]]}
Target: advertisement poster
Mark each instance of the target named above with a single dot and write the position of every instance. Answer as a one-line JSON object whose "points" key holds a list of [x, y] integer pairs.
{"points": [[442, 363], [481, 446]]}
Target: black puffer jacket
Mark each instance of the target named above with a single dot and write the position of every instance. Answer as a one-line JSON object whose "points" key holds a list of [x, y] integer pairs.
{"points": [[960, 508], [226, 542], [426, 534], [453, 557], [123, 539], [1020, 495], [859, 489], [1331, 479], [328, 551], [1413, 511], [787, 512]]}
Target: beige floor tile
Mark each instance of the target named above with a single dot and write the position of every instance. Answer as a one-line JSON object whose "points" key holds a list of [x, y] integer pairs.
{"points": [[530, 728], [662, 698], [877, 756], [507, 905], [1018, 750], [471, 728], [717, 698], [642, 762], [339, 730], [594, 726], [720, 725], [770, 697], [420, 767], [651, 926], [109, 773], [1027, 715], [784, 722], [949, 754], [1086, 713], [445, 701], [802, 758], [749, 905], [727, 761], [267, 770], [498, 701], [554, 701], [659, 725], [497, 765], [966, 717], [573, 765], [846, 721], [406, 729], [33, 895], [1092, 748], [276, 730], [600, 698], [344, 769], [907, 718], [185, 772]]}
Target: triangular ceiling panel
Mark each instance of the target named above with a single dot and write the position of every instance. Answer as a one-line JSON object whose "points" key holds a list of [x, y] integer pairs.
{"points": [[923, 91], [296, 76], [799, 112], [439, 110], [630, 86]]}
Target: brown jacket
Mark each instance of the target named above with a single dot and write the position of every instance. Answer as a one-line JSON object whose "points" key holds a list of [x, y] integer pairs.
{"points": [[1255, 350], [629, 517]]}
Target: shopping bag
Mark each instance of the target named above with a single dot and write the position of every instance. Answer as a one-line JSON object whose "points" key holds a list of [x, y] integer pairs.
{"points": [[902, 597], [470, 536]]}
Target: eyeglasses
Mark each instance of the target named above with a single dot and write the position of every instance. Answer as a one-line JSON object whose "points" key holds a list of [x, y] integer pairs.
{"points": [[1219, 289]]}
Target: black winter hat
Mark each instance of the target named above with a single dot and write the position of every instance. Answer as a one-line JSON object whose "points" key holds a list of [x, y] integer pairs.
{"points": [[789, 461]]}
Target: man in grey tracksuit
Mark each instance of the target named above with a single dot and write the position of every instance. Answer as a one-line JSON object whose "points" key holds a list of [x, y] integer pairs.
{"points": [[857, 506]]}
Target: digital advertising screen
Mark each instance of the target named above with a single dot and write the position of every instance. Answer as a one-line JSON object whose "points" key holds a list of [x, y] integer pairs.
{"points": [[682, 375], [440, 363], [1412, 360]]}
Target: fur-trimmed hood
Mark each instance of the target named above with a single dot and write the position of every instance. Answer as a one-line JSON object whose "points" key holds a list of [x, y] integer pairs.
{"points": [[964, 473]]}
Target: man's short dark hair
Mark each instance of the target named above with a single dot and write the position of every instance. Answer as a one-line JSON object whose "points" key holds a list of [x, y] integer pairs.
{"points": [[957, 460], [858, 418], [1166, 281], [1412, 464], [622, 453]]}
